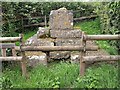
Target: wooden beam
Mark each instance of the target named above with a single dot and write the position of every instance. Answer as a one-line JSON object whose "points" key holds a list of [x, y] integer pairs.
{"points": [[10, 58], [7, 45], [39, 24], [85, 17], [101, 58], [14, 52], [102, 37], [24, 60], [58, 48], [8, 39]]}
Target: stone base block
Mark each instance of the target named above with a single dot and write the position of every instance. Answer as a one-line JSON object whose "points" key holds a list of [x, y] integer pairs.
{"points": [[45, 42], [35, 58], [75, 57], [40, 42], [60, 55], [32, 40], [65, 33], [43, 32], [68, 42]]}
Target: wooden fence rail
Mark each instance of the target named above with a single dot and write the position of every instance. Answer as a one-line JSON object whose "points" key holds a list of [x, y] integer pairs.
{"points": [[58, 48], [101, 37], [9, 39], [18, 58], [101, 58]]}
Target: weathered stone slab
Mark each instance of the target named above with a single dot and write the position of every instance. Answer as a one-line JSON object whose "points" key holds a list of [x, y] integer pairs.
{"points": [[35, 58], [32, 40], [45, 42], [65, 33], [61, 19], [40, 42], [68, 42], [75, 57], [60, 55], [43, 32]]}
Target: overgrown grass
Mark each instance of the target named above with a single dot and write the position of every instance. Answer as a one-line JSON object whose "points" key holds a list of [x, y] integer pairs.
{"points": [[89, 27], [29, 34], [62, 75], [93, 28]]}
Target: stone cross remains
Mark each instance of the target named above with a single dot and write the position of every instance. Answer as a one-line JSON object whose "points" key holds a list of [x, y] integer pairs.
{"points": [[59, 33], [61, 19]]}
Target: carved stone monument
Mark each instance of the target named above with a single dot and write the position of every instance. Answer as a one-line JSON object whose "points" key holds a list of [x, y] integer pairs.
{"points": [[59, 33]]}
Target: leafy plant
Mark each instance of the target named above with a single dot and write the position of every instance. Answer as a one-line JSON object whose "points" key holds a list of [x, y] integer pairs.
{"points": [[109, 19], [56, 83], [6, 83]]}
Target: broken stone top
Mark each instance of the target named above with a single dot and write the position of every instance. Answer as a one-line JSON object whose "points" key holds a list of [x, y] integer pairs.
{"points": [[61, 19], [62, 9]]}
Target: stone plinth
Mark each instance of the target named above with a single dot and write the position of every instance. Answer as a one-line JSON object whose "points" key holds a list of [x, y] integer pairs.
{"points": [[45, 42], [65, 33], [35, 58], [60, 55], [33, 41], [75, 57], [68, 42]]}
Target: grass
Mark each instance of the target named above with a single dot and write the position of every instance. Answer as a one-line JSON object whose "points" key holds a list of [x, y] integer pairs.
{"points": [[93, 28], [29, 34], [62, 75], [89, 27]]}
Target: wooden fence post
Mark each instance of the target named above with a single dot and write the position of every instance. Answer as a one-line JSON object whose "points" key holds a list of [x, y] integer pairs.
{"points": [[4, 52], [82, 64], [23, 62], [45, 21], [48, 57]]}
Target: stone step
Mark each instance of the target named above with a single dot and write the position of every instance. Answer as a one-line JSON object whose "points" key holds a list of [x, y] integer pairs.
{"points": [[68, 42], [35, 58], [60, 55], [40, 42], [65, 33]]}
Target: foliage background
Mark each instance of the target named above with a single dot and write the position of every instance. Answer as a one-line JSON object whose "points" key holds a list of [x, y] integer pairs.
{"points": [[14, 11], [109, 15]]}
